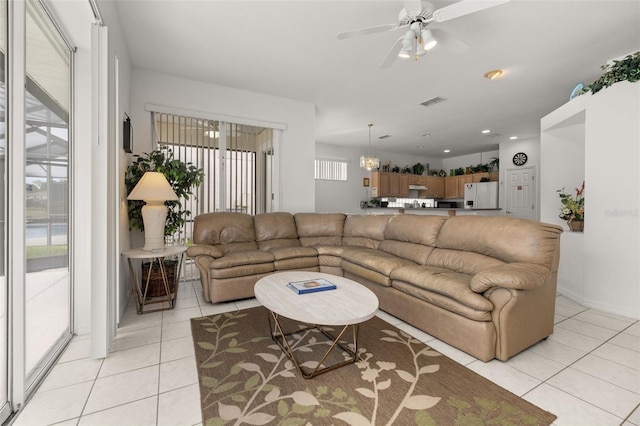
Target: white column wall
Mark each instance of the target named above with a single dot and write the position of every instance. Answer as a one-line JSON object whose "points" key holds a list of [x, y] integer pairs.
{"points": [[595, 138]]}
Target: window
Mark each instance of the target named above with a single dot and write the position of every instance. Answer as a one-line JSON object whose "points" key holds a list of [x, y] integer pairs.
{"points": [[237, 167], [330, 170]]}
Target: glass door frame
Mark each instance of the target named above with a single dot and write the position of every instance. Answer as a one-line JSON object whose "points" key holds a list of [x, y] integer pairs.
{"points": [[19, 385]]}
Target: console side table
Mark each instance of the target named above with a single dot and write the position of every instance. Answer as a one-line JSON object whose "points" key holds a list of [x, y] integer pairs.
{"points": [[140, 286]]}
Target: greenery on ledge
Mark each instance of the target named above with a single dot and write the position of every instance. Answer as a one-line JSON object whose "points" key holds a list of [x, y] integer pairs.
{"points": [[627, 69]]}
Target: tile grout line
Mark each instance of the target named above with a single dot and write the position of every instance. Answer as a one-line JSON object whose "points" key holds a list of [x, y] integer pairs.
{"points": [[582, 357]]}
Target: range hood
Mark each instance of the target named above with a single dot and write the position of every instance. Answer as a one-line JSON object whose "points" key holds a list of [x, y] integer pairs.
{"points": [[420, 187]]}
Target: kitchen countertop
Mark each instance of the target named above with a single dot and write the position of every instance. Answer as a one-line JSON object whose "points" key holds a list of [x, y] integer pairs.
{"points": [[432, 210]]}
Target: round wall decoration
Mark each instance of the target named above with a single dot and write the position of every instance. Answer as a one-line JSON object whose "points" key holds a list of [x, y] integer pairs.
{"points": [[520, 159]]}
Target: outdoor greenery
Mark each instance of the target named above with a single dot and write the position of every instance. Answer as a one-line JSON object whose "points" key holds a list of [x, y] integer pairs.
{"points": [[627, 69], [183, 178]]}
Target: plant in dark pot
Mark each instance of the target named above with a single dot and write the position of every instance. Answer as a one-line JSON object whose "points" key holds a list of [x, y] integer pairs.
{"points": [[183, 178]]}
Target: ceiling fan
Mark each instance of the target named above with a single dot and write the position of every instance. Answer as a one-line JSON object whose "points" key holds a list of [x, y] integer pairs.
{"points": [[415, 17]]}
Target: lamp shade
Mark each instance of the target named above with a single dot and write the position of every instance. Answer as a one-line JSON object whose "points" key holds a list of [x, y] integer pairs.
{"points": [[153, 187]]}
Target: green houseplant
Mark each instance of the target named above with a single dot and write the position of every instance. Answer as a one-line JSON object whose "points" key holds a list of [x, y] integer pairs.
{"points": [[627, 69], [183, 178]]}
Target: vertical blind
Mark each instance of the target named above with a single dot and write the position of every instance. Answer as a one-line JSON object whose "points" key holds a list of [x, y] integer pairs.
{"points": [[233, 172], [330, 170]]}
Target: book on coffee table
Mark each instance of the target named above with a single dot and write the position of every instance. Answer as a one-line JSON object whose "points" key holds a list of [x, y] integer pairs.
{"points": [[311, 286]]}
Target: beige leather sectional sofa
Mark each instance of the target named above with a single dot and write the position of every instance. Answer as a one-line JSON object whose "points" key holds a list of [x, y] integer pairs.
{"points": [[485, 285]]}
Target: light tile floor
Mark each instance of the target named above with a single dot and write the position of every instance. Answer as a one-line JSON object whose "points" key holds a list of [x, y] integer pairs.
{"points": [[587, 372]]}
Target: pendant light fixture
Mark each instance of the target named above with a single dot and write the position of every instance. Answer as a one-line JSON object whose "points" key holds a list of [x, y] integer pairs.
{"points": [[367, 161]]}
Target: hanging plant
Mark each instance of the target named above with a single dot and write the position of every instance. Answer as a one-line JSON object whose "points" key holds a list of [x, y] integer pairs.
{"points": [[183, 178], [627, 69]]}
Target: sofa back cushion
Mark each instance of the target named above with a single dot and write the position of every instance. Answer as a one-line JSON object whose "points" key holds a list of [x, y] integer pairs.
{"points": [[230, 231], [316, 229], [365, 230], [503, 238], [274, 230], [412, 236]]}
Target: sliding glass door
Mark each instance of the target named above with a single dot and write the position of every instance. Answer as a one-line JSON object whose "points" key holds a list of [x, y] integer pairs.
{"points": [[46, 173], [5, 409]]}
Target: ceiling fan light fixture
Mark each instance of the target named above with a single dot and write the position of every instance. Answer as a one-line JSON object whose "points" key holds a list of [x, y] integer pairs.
{"points": [[493, 74], [405, 54], [368, 162], [429, 41]]}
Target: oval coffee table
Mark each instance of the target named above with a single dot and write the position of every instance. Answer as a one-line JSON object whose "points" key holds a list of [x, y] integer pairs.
{"points": [[348, 305]]}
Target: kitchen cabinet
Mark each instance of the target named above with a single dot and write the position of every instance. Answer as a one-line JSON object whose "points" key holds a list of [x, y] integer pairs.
{"points": [[435, 187], [399, 184], [477, 177], [381, 182], [417, 180], [454, 185]]}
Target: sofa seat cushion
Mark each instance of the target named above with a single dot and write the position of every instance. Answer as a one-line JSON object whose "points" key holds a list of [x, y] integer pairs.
{"points": [[287, 258], [292, 252], [448, 289], [376, 261], [329, 255], [241, 258]]}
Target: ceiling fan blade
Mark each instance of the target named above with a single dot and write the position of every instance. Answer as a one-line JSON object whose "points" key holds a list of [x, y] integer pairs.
{"points": [[367, 31], [392, 54], [464, 7], [449, 42]]}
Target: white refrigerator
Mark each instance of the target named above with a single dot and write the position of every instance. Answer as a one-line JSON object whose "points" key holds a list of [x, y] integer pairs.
{"points": [[481, 195]]}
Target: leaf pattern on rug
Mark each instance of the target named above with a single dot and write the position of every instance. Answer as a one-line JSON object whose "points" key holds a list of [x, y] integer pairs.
{"points": [[241, 402], [245, 378]]}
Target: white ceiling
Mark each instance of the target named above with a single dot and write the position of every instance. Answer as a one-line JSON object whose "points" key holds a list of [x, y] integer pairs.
{"points": [[289, 49]]}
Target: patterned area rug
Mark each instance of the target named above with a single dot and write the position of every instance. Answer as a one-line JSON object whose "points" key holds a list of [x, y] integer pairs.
{"points": [[245, 378]]}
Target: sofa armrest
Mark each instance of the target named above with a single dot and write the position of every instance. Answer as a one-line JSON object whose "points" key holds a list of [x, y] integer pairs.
{"points": [[518, 276], [203, 255], [204, 250]]}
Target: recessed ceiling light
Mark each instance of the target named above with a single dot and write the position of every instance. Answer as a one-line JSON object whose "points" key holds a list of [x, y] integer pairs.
{"points": [[426, 135], [493, 74], [513, 138], [420, 146], [485, 131], [447, 150]]}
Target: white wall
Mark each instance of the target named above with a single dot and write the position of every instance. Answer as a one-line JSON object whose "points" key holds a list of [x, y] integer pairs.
{"points": [[595, 138], [332, 196], [119, 104], [296, 154]]}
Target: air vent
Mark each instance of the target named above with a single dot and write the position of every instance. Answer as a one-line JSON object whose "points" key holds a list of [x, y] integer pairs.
{"points": [[432, 101], [384, 136], [493, 135]]}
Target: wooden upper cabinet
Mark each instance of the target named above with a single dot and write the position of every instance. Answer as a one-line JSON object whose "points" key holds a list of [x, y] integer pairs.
{"points": [[462, 181], [399, 184], [435, 186], [382, 182], [477, 177]]}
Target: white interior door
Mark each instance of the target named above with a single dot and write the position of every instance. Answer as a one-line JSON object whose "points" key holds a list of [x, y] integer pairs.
{"points": [[520, 193]]}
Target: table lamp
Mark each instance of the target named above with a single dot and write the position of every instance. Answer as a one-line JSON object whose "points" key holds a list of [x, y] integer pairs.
{"points": [[154, 190]]}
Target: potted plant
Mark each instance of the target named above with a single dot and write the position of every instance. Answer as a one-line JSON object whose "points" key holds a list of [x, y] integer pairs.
{"points": [[418, 169], [627, 69], [494, 164], [183, 178], [572, 208]]}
